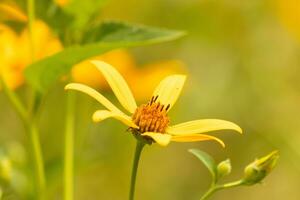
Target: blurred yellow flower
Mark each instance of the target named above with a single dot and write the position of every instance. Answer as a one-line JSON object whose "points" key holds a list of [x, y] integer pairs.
{"points": [[151, 120], [62, 3], [15, 51], [10, 11], [289, 13]]}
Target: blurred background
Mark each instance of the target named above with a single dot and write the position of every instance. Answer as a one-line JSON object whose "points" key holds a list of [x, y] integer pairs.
{"points": [[243, 64]]}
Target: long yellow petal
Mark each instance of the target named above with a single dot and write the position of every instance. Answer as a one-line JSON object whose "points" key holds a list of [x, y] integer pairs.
{"points": [[100, 115], [117, 84], [96, 95], [169, 89], [159, 138], [150, 75], [196, 138], [202, 126]]}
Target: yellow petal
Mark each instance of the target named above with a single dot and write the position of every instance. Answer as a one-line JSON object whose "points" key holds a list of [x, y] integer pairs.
{"points": [[118, 85], [85, 72], [96, 95], [100, 115], [202, 126], [150, 75], [159, 138], [196, 138], [169, 89], [12, 12]]}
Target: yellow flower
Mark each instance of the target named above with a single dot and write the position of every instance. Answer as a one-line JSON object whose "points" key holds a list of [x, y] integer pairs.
{"points": [[151, 120], [16, 54]]}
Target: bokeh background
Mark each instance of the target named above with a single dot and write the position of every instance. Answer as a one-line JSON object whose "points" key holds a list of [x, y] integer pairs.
{"points": [[243, 64]]}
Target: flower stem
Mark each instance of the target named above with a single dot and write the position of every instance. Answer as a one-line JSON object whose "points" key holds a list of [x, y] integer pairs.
{"points": [[31, 16], [38, 160], [209, 192], [30, 126], [232, 184], [138, 151], [69, 148], [14, 100], [214, 188]]}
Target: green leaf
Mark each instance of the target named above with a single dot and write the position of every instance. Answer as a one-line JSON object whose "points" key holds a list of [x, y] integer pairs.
{"points": [[83, 11], [207, 160], [122, 33], [111, 35]]}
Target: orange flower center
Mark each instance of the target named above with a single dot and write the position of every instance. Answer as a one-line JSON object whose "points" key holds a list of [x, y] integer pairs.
{"points": [[151, 117]]}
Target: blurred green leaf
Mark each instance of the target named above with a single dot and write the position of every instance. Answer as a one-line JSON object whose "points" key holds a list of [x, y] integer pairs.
{"points": [[55, 17], [68, 21], [71, 20], [207, 160], [83, 11], [111, 35], [122, 33], [52, 14]]}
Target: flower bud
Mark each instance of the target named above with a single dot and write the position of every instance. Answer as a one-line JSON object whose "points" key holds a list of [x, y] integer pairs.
{"points": [[224, 168], [256, 171]]}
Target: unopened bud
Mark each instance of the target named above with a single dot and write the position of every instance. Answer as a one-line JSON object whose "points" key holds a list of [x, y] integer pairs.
{"points": [[224, 168], [256, 171]]}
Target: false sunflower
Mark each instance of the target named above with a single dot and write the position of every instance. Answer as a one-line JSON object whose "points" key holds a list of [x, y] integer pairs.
{"points": [[150, 120]]}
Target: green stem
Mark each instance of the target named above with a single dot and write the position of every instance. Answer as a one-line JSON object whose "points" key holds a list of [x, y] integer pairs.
{"points": [[214, 188], [31, 16], [232, 184], [15, 101], [138, 151], [32, 128], [69, 149], [38, 160], [208, 193]]}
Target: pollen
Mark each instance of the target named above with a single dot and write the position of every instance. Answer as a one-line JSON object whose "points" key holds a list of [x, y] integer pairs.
{"points": [[151, 117]]}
